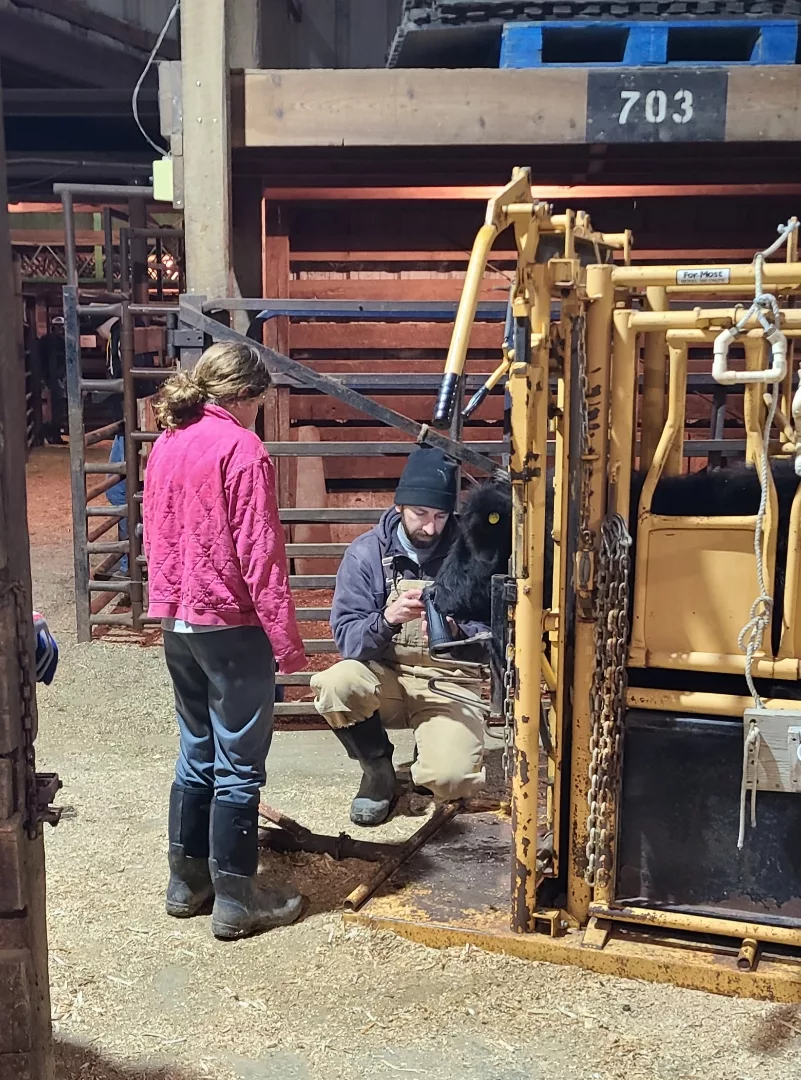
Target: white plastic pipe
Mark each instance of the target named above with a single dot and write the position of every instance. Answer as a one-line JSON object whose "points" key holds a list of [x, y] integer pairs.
{"points": [[773, 374]]}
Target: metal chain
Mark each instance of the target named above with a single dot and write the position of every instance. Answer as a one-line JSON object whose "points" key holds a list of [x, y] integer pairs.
{"points": [[586, 540], [26, 690], [608, 693], [509, 693]]}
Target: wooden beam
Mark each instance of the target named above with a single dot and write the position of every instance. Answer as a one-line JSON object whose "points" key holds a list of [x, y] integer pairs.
{"points": [[388, 289], [317, 408], [373, 107], [545, 193], [206, 148], [507, 258], [90, 18], [56, 208], [244, 33], [53, 238], [764, 104], [376, 335], [52, 47], [486, 107]]}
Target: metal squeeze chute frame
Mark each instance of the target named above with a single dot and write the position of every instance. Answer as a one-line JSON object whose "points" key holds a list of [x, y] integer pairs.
{"points": [[571, 911]]}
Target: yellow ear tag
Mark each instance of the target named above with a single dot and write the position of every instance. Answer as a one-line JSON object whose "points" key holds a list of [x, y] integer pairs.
{"points": [[494, 518]]}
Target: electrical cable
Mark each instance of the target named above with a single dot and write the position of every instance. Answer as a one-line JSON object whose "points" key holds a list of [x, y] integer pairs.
{"points": [[162, 150]]}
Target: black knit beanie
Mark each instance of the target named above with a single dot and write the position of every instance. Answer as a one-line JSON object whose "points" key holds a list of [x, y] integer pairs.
{"points": [[428, 479]]}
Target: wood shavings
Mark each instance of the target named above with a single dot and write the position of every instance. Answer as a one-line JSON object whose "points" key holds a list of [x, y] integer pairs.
{"points": [[283, 1004]]}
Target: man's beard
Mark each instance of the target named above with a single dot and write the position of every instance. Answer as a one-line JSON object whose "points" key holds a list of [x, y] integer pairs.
{"points": [[420, 539]]}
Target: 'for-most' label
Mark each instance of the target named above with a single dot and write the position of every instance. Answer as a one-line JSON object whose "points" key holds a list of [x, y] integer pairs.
{"points": [[703, 276]]}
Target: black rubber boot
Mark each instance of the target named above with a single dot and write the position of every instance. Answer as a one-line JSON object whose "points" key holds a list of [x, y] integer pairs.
{"points": [[190, 890], [367, 743], [241, 905]]}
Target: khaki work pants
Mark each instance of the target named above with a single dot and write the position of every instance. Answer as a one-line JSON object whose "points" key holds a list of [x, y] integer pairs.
{"points": [[449, 735]]}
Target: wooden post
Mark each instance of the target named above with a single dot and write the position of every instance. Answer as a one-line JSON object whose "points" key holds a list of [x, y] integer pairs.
{"points": [[275, 284], [26, 1044], [206, 147], [215, 36], [243, 26]]}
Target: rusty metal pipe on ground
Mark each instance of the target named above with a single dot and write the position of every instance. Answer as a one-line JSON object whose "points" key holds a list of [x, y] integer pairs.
{"points": [[363, 892]]}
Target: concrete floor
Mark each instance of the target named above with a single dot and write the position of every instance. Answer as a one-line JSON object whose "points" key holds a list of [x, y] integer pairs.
{"points": [[138, 995]]}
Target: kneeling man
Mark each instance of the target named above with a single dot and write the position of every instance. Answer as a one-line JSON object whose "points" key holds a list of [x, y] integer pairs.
{"points": [[382, 680]]}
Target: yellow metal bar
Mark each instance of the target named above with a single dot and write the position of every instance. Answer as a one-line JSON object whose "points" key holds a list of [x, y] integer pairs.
{"points": [[621, 426], [727, 292], [700, 924], [706, 337], [615, 240], [693, 702], [468, 302], [623, 390], [754, 417], [734, 274], [678, 365], [703, 318], [528, 386], [561, 638], [691, 965], [664, 458], [791, 621], [599, 341], [654, 380], [753, 406], [548, 674], [764, 667], [673, 430]]}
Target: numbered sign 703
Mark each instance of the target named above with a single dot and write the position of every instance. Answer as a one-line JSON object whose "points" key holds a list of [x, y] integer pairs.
{"points": [[656, 105]]}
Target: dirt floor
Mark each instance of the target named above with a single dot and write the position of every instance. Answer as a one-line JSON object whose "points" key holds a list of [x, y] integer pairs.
{"points": [[135, 994]]}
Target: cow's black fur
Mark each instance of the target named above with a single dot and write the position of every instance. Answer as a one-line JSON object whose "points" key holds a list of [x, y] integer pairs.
{"points": [[481, 549]]}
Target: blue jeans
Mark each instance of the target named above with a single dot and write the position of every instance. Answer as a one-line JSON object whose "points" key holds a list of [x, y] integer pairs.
{"points": [[118, 496], [224, 685]]}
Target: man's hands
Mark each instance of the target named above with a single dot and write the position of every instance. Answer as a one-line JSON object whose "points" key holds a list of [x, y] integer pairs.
{"points": [[454, 629], [407, 608]]}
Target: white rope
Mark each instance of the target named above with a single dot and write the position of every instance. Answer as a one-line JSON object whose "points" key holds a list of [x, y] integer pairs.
{"points": [[752, 742], [764, 302], [752, 634]]}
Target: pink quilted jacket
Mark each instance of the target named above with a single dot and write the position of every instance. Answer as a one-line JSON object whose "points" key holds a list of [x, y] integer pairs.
{"points": [[214, 545]]}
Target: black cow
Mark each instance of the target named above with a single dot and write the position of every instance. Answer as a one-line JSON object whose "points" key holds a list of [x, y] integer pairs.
{"points": [[483, 548]]}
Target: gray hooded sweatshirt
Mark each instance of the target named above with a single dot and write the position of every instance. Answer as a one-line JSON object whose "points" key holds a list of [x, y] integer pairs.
{"points": [[362, 588]]}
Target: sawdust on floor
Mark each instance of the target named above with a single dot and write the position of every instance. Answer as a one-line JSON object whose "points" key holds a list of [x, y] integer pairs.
{"points": [[137, 995]]}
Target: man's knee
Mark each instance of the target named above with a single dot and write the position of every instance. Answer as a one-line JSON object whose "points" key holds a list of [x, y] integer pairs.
{"points": [[450, 756], [453, 783], [346, 693]]}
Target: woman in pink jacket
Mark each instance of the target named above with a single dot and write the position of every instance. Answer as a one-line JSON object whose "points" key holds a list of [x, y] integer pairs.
{"points": [[217, 576]]}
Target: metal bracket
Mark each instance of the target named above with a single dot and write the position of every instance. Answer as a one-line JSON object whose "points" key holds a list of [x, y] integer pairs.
{"points": [[553, 919], [47, 784], [185, 339], [596, 933], [460, 699], [585, 583]]}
